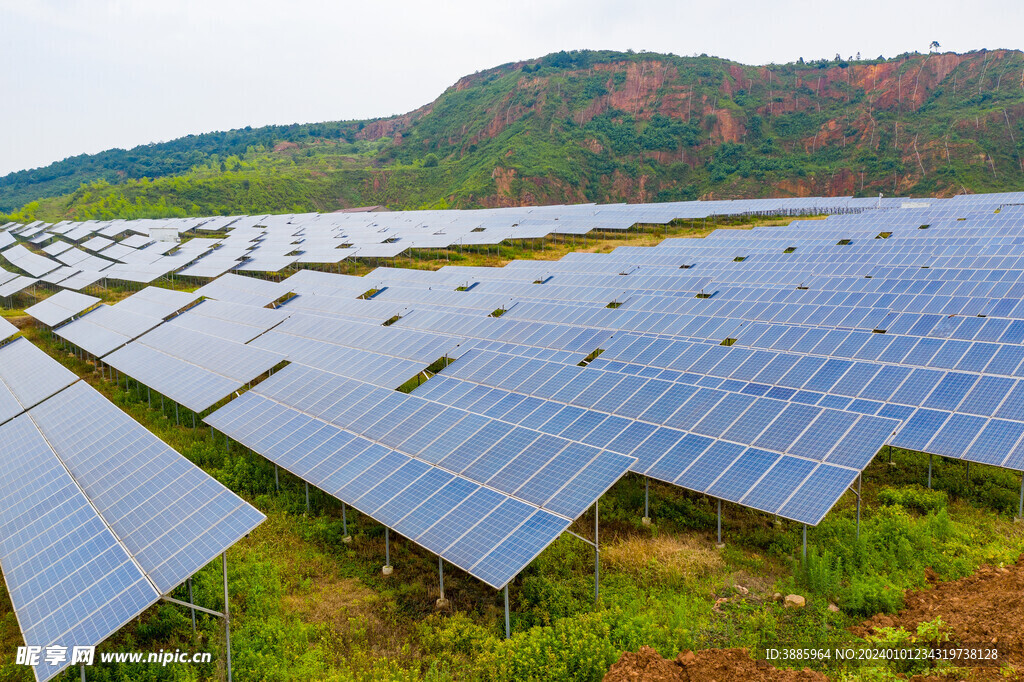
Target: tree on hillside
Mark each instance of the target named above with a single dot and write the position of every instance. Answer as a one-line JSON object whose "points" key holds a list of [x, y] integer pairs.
{"points": [[934, 46]]}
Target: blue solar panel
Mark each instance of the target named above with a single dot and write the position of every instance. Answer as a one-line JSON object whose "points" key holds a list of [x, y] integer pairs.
{"points": [[722, 416], [739, 478], [861, 443], [460, 519], [196, 517], [778, 484], [995, 442], [710, 465], [918, 431], [90, 536], [530, 538], [70, 580], [27, 377], [818, 494], [956, 435], [784, 432], [950, 391], [511, 460]]}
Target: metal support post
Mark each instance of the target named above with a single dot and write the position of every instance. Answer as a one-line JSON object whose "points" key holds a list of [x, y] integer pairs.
{"points": [[345, 537], [508, 627], [968, 474], [1020, 506], [805, 542], [277, 480], [441, 602], [860, 478], [307, 497], [647, 502], [720, 543], [597, 556], [387, 552], [929, 472], [227, 614], [192, 601]]}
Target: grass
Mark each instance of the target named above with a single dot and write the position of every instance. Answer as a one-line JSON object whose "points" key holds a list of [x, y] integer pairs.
{"points": [[661, 559]]}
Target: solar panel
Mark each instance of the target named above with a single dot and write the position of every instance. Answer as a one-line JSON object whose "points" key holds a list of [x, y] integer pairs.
{"points": [[91, 586], [61, 307], [94, 529], [7, 330], [767, 428], [247, 290], [15, 285], [27, 377], [192, 368], [196, 517], [32, 263]]}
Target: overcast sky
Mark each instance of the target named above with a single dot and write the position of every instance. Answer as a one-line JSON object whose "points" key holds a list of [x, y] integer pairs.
{"points": [[81, 76]]}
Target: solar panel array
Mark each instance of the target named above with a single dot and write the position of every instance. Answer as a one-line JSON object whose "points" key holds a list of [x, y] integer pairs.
{"points": [[32, 263], [764, 367], [98, 517], [507, 494], [78, 255]]}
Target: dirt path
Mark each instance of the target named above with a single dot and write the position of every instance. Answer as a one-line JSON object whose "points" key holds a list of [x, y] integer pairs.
{"points": [[710, 665]]}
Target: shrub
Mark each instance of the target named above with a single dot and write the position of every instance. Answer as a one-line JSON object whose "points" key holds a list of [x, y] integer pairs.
{"points": [[914, 498], [870, 594], [821, 572]]}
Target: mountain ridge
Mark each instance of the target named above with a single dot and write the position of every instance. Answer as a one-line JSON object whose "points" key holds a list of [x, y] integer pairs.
{"points": [[588, 126]]}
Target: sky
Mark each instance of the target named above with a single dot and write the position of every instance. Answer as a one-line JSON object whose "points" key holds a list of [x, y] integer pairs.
{"points": [[81, 76]]}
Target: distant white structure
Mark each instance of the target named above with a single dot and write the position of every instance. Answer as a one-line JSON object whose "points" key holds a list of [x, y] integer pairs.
{"points": [[164, 234]]}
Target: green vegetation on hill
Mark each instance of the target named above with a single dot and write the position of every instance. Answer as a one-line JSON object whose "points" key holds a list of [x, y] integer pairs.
{"points": [[588, 126]]}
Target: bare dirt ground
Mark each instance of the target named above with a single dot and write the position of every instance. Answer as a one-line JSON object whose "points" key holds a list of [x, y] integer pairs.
{"points": [[984, 608], [710, 665]]}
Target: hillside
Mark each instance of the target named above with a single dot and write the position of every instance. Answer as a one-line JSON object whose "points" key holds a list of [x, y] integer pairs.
{"points": [[589, 126]]}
